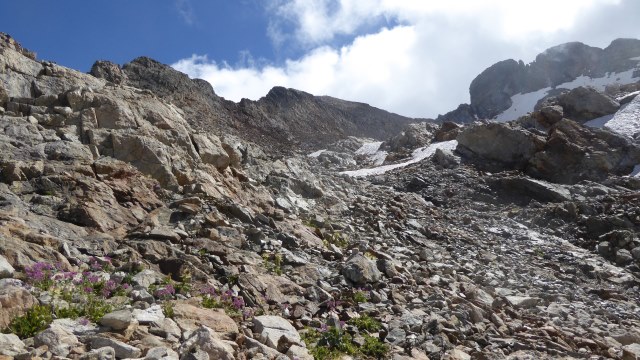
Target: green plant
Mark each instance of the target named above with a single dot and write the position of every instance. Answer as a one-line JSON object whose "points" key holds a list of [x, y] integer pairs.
{"points": [[337, 239], [366, 323], [32, 322], [374, 347], [167, 309], [273, 262], [184, 286], [359, 296], [329, 343]]}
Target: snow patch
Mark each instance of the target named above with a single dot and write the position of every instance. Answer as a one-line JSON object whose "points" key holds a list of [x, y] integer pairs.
{"points": [[636, 171], [315, 154], [369, 148], [626, 121], [524, 103], [417, 155]]}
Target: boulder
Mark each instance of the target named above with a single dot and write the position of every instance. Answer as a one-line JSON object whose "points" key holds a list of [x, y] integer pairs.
{"points": [[208, 341], [118, 320], [585, 103], [6, 270], [210, 149], [271, 329], [496, 145], [191, 317], [121, 349], [103, 353], [14, 302], [360, 270], [11, 345], [58, 339]]}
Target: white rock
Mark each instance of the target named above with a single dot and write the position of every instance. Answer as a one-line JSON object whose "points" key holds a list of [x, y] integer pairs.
{"points": [[57, 338], [272, 328], [6, 270], [11, 345]]}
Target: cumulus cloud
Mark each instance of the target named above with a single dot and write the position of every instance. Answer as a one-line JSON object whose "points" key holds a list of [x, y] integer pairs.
{"points": [[421, 63]]}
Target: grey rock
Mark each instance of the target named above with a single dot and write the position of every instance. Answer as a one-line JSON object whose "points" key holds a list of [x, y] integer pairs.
{"points": [[103, 353], [151, 314], [207, 341], [360, 270], [58, 339], [501, 144], [523, 302], [584, 103], [161, 353], [272, 328], [118, 320], [6, 270], [11, 345], [122, 350], [623, 257], [631, 352], [146, 278]]}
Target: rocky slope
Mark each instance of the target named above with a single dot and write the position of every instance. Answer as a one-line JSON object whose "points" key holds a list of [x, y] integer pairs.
{"points": [[509, 89], [278, 121], [141, 216]]}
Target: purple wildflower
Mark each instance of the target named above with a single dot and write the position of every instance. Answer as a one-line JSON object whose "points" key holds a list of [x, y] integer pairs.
{"points": [[238, 302], [324, 328], [83, 321], [165, 292]]}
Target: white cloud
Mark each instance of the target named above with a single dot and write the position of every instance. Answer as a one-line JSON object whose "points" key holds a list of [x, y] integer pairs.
{"points": [[421, 67], [185, 10]]}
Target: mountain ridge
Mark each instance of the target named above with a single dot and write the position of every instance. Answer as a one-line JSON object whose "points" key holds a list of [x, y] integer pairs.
{"points": [[492, 90]]}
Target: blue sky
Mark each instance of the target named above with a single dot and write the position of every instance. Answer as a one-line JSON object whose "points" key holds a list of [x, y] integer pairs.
{"points": [[75, 33], [412, 57]]}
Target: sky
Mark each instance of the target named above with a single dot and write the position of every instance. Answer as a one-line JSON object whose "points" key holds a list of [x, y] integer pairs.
{"points": [[412, 57]]}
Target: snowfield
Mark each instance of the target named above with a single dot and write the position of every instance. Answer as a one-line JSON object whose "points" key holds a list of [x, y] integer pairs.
{"points": [[524, 103], [417, 155], [625, 121]]}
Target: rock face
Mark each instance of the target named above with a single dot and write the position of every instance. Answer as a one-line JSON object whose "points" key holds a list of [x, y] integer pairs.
{"points": [[491, 91], [142, 216], [567, 154], [511, 146]]}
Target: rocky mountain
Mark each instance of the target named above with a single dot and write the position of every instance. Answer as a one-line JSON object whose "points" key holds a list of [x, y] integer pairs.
{"points": [[509, 89], [278, 121], [144, 217]]}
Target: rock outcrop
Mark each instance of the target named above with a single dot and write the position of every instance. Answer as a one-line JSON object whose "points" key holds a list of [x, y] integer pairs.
{"points": [[492, 90]]}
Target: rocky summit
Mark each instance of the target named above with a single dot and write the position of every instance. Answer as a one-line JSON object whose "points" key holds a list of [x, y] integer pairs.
{"points": [[142, 216]]}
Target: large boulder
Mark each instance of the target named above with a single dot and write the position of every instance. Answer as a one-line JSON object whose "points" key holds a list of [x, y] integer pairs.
{"points": [[211, 151], [496, 145], [271, 329], [360, 270], [573, 153], [14, 302], [585, 103]]}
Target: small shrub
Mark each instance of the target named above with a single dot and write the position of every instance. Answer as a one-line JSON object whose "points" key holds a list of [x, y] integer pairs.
{"points": [[374, 347], [167, 309], [360, 296], [366, 323], [273, 263], [34, 321], [337, 239]]}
